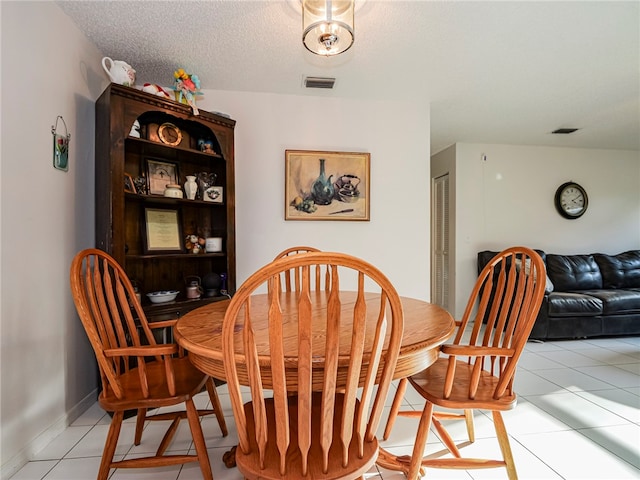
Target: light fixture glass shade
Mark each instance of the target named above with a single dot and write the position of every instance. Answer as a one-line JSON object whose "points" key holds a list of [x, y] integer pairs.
{"points": [[327, 26]]}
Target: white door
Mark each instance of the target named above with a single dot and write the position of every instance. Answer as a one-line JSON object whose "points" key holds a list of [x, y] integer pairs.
{"points": [[440, 241]]}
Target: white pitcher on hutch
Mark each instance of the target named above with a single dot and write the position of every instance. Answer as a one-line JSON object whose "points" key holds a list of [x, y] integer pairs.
{"points": [[119, 72]]}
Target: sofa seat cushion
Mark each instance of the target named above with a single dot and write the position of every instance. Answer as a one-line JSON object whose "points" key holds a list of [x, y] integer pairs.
{"points": [[615, 302], [573, 304]]}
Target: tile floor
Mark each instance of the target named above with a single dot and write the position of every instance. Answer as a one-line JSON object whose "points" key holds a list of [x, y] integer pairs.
{"points": [[578, 417]]}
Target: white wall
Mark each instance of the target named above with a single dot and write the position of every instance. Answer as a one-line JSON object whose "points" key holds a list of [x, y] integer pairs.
{"points": [[48, 373], [47, 369], [508, 200], [396, 239]]}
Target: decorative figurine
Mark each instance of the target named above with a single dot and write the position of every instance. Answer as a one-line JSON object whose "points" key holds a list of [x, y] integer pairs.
{"points": [[206, 146], [186, 88], [194, 243], [135, 129], [154, 89]]}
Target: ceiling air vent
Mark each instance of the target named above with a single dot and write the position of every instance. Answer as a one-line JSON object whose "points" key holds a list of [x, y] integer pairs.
{"points": [[564, 131], [319, 82]]}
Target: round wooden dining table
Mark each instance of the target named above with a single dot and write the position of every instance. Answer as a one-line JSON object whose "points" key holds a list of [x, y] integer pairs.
{"points": [[426, 327]]}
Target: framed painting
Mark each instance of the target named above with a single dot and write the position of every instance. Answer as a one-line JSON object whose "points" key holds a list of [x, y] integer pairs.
{"points": [[326, 185], [159, 174]]}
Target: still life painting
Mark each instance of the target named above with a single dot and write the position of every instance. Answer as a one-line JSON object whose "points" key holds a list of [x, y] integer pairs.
{"points": [[326, 185]]}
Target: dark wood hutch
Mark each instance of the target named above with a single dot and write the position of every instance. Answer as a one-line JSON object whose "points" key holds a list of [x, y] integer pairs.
{"points": [[121, 228]]}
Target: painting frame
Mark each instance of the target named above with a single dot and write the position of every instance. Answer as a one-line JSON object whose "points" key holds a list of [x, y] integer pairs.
{"points": [[156, 171], [327, 185], [162, 231]]}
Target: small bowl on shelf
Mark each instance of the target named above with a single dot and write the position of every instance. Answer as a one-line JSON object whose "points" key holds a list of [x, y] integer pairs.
{"points": [[163, 296]]}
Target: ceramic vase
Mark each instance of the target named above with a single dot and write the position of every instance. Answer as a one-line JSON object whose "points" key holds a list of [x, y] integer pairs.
{"points": [[322, 189], [191, 187]]}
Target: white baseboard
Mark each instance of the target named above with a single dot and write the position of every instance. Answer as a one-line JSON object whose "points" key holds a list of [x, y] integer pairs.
{"points": [[19, 460]]}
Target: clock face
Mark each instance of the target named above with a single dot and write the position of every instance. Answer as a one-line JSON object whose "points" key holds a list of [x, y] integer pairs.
{"points": [[169, 134], [571, 200]]}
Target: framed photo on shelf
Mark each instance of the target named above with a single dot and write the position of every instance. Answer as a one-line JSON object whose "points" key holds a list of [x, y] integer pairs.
{"points": [[159, 174], [326, 185], [129, 185], [214, 194], [162, 231]]}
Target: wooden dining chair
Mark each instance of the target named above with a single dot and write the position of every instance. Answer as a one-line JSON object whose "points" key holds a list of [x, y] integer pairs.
{"points": [[291, 279], [137, 373], [319, 417], [477, 370]]}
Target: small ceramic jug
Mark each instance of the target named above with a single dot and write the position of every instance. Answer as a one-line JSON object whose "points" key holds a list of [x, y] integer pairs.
{"points": [[119, 72]]}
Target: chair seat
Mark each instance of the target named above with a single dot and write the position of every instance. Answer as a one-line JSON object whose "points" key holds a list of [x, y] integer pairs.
{"points": [[188, 380], [430, 384], [249, 464]]}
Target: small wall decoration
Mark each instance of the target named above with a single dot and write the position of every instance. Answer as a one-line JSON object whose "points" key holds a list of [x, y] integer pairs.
{"points": [[60, 146], [326, 185], [159, 174]]}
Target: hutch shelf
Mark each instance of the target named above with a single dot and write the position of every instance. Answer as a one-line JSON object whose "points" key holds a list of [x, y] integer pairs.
{"points": [[144, 142]]}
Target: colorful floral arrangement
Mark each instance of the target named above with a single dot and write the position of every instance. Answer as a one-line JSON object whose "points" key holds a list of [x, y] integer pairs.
{"points": [[186, 88]]}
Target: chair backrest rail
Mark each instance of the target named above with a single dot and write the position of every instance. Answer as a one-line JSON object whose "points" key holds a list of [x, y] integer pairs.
{"points": [[358, 419]]}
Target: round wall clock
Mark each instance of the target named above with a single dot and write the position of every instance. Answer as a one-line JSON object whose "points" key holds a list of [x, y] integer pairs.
{"points": [[571, 200], [169, 134]]}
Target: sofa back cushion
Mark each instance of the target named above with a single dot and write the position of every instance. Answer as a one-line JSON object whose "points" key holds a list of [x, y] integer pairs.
{"points": [[620, 271], [573, 272], [486, 256]]}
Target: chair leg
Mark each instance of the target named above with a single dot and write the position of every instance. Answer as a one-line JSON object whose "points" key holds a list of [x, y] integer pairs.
{"points": [[141, 417], [421, 441], [471, 432], [198, 440], [110, 445], [445, 437], [215, 403], [395, 407], [503, 441]]}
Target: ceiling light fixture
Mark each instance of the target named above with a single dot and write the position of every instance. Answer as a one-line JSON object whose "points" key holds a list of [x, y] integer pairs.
{"points": [[327, 26]]}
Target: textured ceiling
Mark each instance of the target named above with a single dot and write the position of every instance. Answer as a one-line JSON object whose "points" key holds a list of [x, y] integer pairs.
{"points": [[493, 72]]}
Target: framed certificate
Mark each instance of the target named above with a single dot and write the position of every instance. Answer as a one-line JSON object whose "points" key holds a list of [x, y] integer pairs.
{"points": [[162, 231]]}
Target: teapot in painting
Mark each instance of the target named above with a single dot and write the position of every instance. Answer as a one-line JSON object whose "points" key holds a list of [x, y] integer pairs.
{"points": [[119, 72], [347, 188]]}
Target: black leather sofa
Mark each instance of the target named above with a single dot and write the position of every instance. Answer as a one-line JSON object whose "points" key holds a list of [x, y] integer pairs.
{"points": [[587, 295]]}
